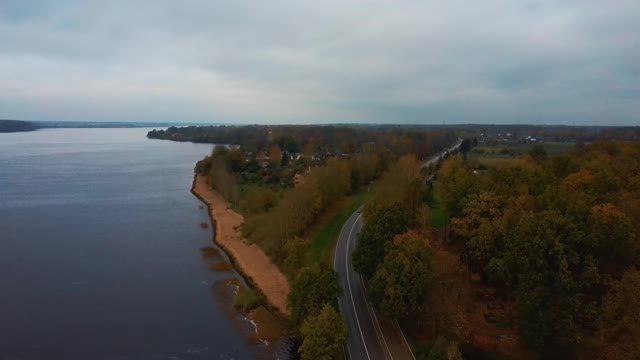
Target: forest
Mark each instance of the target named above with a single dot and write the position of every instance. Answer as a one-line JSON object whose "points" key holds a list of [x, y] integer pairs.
{"points": [[546, 247], [534, 256], [558, 238], [308, 139]]}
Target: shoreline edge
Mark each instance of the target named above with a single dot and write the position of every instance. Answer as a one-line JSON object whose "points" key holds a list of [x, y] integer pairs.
{"points": [[248, 259]]}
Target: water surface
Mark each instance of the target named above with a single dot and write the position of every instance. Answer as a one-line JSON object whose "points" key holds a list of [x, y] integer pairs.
{"points": [[100, 251]]}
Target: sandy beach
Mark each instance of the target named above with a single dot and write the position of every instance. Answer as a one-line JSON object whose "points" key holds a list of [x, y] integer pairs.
{"points": [[248, 258]]}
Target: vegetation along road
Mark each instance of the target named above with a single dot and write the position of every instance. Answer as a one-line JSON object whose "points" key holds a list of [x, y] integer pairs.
{"points": [[371, 336]]}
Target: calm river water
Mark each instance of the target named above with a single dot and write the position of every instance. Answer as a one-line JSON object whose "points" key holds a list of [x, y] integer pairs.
{"points": [[100, 252]]}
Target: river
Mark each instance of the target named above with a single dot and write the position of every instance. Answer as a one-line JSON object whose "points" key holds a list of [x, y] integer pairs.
{"points": [[100, 252]]}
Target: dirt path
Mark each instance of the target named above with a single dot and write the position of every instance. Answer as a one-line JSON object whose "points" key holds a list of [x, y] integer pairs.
{"points": [[249, 259]]}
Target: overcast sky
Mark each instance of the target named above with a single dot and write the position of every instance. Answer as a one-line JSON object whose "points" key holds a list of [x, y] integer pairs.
{"points": [[393, 61]]}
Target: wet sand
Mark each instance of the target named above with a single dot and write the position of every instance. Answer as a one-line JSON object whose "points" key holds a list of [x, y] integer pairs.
{"points": [[248, 258]]}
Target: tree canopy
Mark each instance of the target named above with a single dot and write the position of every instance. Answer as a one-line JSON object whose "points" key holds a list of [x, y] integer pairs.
{"points": [[323, 335], [555, 231], [381, 224], [399, 286], [312, 288]]}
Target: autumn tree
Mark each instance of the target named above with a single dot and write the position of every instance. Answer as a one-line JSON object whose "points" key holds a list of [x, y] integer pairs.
{"points": [[620, 323], [403, 183], [235, 160], [258, 199], [448, 298], [222, 180], [399, 286], [323, 335], [364, 169], [275, 156], [295, 250]]}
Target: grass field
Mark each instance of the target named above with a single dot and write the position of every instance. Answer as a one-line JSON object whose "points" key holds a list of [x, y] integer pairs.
{"points": [[324, 233], [491, 156]]}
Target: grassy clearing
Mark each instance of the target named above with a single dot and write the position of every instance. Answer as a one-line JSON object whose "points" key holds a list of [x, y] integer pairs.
{"points": [[439, 217], [324, 233], [247, 299]]}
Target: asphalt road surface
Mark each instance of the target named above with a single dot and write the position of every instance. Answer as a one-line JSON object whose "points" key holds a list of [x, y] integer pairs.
{"points": [[363, 342]]}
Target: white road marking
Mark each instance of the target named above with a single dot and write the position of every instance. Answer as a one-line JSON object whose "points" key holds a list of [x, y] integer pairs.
{"points": [[351, 292], [405, 340], [372, 315]]}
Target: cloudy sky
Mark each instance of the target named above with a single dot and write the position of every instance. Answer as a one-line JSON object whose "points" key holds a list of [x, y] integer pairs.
{"points": [[394, 61]]}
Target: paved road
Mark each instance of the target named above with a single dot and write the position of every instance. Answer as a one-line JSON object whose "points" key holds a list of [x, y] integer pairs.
{"points": [[438, 157], [371, 336], [363, 342]]}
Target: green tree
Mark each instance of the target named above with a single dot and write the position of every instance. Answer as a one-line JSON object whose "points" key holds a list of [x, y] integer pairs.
{"points": [[455, 182], [296, 250], [466, 145], [403, 183], [323, 335], [539, 153], [313, 287], [287, 143], [443, 349], [613, 238], [620, 324], [399, 286], [381, 224]]}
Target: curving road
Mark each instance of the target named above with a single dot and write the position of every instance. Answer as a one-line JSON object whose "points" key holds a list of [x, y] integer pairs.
{"points": [[363, 342], [371, 336]]}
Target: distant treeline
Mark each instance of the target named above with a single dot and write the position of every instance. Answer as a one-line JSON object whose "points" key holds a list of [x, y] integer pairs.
{"points": [[7, 126], [19, 125], [98, 124], [348, 139], [337, 136], [557, 133]]}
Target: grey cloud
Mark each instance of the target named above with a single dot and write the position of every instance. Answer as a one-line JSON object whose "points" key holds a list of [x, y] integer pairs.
{"points": [[497, 61]]}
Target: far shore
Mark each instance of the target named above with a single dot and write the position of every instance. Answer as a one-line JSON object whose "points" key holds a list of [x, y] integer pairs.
{"points": [[248, 258]]}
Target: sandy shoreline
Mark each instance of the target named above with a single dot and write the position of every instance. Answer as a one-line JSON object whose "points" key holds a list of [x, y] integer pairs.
{"points": [[248, 259]]}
